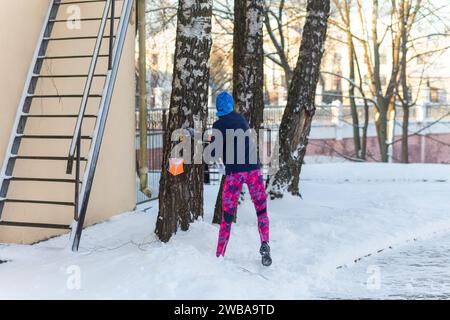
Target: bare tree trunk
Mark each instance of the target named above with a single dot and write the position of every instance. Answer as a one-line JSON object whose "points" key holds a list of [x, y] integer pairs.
{"points": [[405, 107], [143, 112], [385, 99], [405, 16], [402, 16], [296, 122], [381, 123], [279, 42], [354, 109], [381, 118], [351, 59], [181, 196], [218, 207], [405, 134], [364, 131], [344, 8], [248, 73], [366, 108]]}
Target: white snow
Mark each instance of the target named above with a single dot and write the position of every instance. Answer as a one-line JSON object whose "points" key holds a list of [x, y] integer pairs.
{"points": [[348, 210]]}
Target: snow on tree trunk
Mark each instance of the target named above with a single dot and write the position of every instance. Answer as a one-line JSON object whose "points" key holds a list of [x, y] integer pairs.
{"points": [[296, 122], [248, 72], [181, 196]]}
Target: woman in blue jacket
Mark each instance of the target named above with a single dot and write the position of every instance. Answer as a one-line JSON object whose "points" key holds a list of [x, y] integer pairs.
{"points": [[240, 168]]}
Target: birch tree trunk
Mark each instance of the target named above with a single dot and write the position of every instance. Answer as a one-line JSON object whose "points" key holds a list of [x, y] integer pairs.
{"points": [[296, 122], [248, 73], [181, 196]]}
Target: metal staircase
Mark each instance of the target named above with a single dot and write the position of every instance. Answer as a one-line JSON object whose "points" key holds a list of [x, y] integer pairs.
{"points": [[84, 165]]}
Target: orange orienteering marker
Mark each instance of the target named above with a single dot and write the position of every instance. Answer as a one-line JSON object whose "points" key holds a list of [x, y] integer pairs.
{"points": [[176, 166]]}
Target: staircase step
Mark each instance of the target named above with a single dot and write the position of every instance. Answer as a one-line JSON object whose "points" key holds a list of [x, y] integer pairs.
{"points": [[50, 96], [58, 116], [61, 3], [71, 57], [51, 137], [44, 76], [82, 19], [59, 203], [44, 158], [74, 38], [34, 225], [41, 179]]}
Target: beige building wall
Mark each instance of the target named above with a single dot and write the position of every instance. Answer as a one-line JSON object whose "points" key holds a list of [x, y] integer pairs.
{"points": [[114, 184]]}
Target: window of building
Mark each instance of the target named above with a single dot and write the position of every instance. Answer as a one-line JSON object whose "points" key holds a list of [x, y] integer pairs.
{"points": [[336, 83], [283, 80], [154, 59], [443, 96], [438, 95], [434, 95], [420, 60], [337, 59]]}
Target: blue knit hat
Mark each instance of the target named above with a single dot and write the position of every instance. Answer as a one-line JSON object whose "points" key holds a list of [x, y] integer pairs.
{"points": [[224, 104]]}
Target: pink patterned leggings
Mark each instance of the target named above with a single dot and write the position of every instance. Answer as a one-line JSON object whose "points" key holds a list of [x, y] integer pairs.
{"points": [[230, 196]]}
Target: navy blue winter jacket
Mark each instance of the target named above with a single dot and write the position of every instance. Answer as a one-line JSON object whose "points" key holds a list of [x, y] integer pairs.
{"points": [[236, 121]]}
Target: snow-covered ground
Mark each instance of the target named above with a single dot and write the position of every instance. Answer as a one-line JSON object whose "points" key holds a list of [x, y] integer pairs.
{"points": [[417, 270], [348, 211]]}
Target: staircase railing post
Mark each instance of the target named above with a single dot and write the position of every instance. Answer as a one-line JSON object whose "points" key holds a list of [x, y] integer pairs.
{"points": [[77, 178], [100, 124], [111, 33]]}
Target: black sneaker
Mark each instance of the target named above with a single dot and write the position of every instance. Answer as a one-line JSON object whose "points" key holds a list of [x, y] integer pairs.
{"points": [[266, 260]]}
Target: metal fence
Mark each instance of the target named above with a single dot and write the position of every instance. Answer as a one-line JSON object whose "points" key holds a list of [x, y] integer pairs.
{"points": [[437, 112], [154, 143]]}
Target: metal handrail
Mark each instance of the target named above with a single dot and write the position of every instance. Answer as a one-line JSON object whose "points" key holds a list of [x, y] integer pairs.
{"points": [[100, 124], [111, 33], [87, 87]]}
